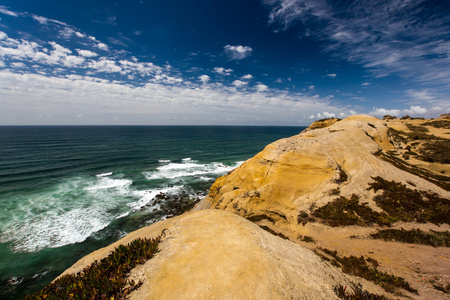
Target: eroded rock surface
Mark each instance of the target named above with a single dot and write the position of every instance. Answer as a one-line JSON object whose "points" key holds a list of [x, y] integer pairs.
{"points": [[213, 254]]}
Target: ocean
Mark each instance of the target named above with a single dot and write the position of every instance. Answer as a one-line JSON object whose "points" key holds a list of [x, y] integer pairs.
{"points": [[66, 191]]}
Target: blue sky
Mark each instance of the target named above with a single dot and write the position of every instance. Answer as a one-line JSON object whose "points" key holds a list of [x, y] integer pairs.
{"points": [[234, 62]]}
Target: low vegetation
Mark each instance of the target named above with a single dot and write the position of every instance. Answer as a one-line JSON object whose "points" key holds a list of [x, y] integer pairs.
{"points": [[415, 236], [104, 279], [343, 212], [279, 234], [256, 218], [305, 238], [438, 124], [367, 268], [445, 289], [437, 179], [356, 294], [404, 204], [435, 151]]}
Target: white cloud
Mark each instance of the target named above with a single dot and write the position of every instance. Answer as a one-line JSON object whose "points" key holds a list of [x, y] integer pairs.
{"points": [[325, 115], [238, 52], [437, 109], [239, 83], [413, 110], [166, 79], [247, 77], [311, 87], [222, 71], [86, 53], [3, 35], [365, 83], [204, 78], [105, 65], [6, 11], [102, 46], [72, 61], [27, 96], [380, 112], [141, 68], [17, 65], [416, 110], [261, 88], [332, 75]]}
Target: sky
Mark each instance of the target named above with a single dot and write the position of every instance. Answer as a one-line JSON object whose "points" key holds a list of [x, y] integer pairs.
{"points": [[222, 62]]}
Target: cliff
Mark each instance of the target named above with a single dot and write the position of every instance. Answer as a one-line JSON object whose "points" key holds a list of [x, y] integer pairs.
{"points": [[212, 254], [304, 186], [326, 191]]}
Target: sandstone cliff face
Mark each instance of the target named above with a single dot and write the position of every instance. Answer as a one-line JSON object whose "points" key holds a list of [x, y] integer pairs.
{"points": [[212, 254], [291, 174]]}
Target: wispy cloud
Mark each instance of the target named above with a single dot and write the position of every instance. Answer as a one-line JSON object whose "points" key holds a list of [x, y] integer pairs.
{"points": [[8, 12], [238, 52], [406, 38], [332, 75]]}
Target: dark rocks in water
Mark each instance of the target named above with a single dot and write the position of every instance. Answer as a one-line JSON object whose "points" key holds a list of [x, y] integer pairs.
{"points": [[174, 205]]}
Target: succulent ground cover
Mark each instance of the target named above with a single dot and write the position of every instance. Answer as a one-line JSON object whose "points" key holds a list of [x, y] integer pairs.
{"points": [[415, 236], [366, 268], [355, 294], [343, 212], [104, 279], [404, 204], [398, 202]]}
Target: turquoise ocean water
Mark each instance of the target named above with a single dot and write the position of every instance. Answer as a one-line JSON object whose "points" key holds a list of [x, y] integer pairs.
{"points": [[67, 191]]}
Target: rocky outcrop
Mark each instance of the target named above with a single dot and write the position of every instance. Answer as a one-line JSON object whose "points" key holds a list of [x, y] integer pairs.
{"points": [[213, 254], [292, 174], [283, 185]]}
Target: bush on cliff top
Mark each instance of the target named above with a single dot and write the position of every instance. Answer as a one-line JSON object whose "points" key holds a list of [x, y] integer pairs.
{"points": [[105, 279]]}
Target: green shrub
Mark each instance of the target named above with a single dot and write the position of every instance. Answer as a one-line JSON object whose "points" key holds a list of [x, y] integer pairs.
{"points": [[415, 236], [405, 204], [367, 268], [104, 279], [356, 294], [343, 211]]}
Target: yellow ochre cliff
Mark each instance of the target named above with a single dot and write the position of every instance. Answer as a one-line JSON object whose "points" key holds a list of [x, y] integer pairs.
{"points": [[325, 192]]}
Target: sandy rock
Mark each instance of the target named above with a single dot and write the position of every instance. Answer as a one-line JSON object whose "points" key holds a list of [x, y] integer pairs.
{"points": [[213, 254], [291, 174]]}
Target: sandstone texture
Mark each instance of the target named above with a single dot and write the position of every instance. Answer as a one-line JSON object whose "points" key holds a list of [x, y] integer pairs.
{"points": [[297, 174], [213, 254], [291, 174]]}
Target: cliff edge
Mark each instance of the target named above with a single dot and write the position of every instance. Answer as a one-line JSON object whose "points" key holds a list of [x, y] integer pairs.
{"points": [[307, 215], [341, 181]]}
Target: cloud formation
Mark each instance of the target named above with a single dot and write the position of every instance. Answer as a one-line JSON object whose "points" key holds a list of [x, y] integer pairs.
{"points": [[238, 52], [222, 71], [66, 97], [405, 38]]}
